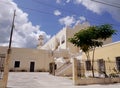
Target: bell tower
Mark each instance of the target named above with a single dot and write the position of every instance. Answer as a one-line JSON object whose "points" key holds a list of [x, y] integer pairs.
{"points": [[41, 41]]}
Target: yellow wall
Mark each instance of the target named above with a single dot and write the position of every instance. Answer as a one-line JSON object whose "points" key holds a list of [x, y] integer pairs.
{"points": [[42, 58], [109, 53]]}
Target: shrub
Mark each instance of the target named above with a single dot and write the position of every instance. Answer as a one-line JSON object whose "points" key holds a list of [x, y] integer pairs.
{"points": [[23, 70], [113, 75]]}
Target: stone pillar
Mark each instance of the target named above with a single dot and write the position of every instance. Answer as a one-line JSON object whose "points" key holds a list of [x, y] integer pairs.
{"points": [[75, 71]]}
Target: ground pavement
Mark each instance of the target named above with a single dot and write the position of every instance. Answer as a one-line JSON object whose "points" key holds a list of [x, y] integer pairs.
{"points": [[44, 80]]}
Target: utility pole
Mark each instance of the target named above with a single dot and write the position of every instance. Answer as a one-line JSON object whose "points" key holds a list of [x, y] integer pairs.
{"points": [[8, 55]]}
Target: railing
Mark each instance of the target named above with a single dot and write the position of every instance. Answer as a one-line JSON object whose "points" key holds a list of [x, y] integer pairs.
{"points": [[62, 68], [103, 71], [101, 68]]}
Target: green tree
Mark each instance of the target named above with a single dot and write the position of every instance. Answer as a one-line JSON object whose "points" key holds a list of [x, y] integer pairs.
{"points": [[92, 37], [102, 33]]}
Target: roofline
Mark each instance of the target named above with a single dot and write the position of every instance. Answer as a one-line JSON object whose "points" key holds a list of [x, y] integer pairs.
{"points": [[113, 43]]}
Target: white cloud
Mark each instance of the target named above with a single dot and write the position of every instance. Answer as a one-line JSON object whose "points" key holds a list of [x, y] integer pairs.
{"points": [[57, 12], [58, 1], [67, 1], [72, 20], [25, 34], [100, 8], [62, 1], [67, 21], [95, 7], [82, 18]]}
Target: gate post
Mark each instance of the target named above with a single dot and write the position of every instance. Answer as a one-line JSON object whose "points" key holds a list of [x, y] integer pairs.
{"points": [[75, 71], [6, 69]]}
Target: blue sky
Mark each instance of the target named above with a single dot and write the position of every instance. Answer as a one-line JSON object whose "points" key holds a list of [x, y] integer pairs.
{"points": [[50, 16], [49, 22]]}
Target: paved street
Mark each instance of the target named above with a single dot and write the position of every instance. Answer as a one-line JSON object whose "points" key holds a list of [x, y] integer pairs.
{"points": [[44, 80]]}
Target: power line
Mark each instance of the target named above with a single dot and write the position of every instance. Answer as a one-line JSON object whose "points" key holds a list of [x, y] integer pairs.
{"points": [[35, 10], [53, 6], [39, 11], [68, 11], [48, 13], [115, 3], [105, 3]]}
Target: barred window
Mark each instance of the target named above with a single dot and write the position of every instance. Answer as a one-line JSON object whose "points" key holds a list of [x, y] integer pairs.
{"points": [[118, 63], [2, 59], [79, 68], [88, 65], [101, 65]]}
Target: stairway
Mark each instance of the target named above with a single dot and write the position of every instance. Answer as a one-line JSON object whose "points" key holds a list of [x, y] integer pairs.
{"points": [[64, 70]]}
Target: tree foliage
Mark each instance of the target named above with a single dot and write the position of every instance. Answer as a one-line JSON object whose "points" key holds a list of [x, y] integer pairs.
{"points": [[91, 36]]}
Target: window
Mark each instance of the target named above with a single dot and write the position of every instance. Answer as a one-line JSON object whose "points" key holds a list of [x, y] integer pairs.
{"points": [[118, 63], [88, 65], [101, 65], [63, 39], [17, 64], [2, 59], [78, 68]]}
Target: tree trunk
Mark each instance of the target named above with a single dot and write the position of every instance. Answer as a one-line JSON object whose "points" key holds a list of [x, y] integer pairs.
{"points": [[87, 55], [93, 62]]}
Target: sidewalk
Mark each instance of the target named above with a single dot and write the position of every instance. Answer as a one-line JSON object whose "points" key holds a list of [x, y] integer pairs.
{"points": [[44, 80]]}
